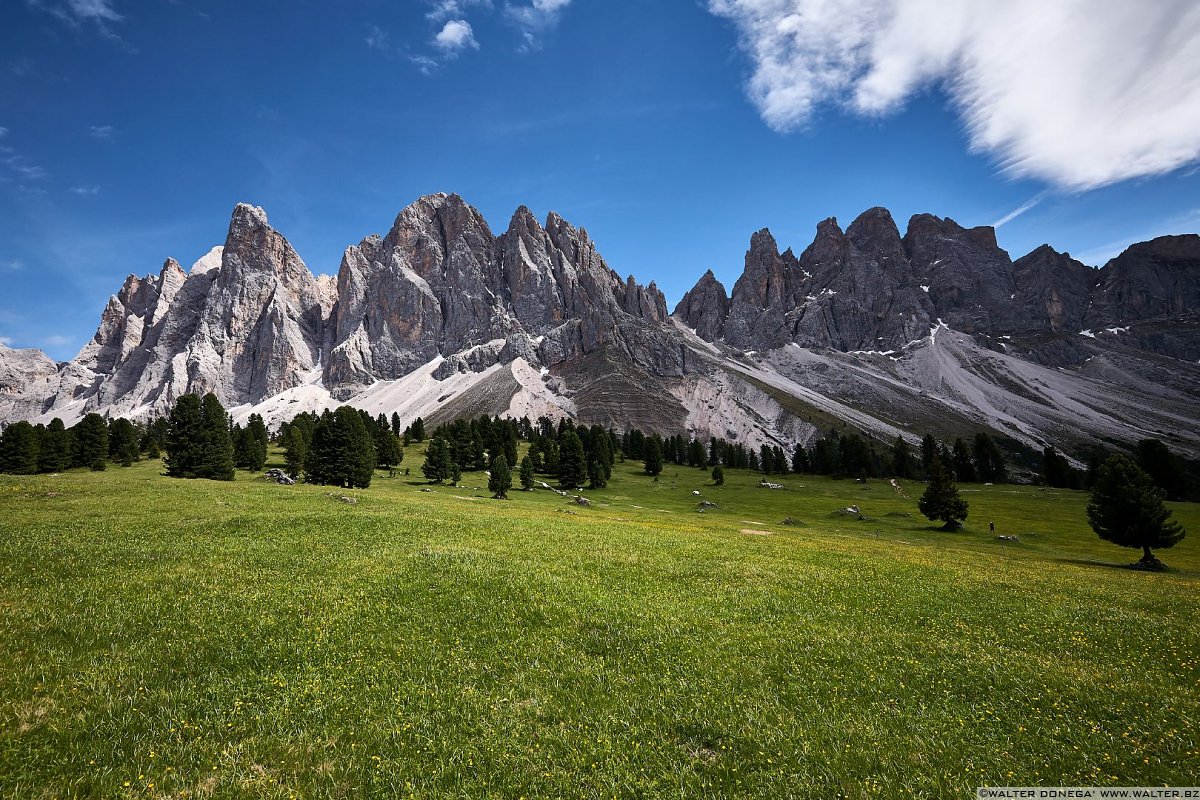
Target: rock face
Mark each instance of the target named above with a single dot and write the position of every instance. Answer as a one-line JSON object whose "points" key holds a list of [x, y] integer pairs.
{"points": [[869, 289], [936, 329]]}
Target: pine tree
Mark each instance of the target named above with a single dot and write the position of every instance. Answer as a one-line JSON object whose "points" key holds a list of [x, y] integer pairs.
{"points": [[1056, 470], [718, 475], [526, 473], [1165, 469], [19, 447], [123, 442], [929, 449], [571, 469], [260, 441], [455, 473], [387, 446], [989, 461], [55, 452], [901, 458], [343, 452], [964, 467], [500, 480], [654, 456], [297, 441], [800, 459], [216, 451], [89, 440], [941, 500], [418, 430], [185, 437], [1127, 509], [596, 479], [397, 426], [437, 466]]}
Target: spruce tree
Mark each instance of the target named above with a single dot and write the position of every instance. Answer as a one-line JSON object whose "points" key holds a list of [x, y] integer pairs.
{"points": [[1166, 469], [89, 440], [437, 466], [260, 440], [653, 456], [527, 473], [387, 445], [55, 452], [418, 430], [800, 461], [500, 479], [185, 437], [1056, 470], [901, 458], [718, 475], [572, 471], [989, 461], [123, 442], [343, 452], [455, 473], [941, 500], [19, 445], [596, 478], [1127, 509], [964, 467], [929, 449], [216, 451]]}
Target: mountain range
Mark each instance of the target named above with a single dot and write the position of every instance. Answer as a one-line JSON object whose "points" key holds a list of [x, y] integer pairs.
{"points": [[936, 330]]}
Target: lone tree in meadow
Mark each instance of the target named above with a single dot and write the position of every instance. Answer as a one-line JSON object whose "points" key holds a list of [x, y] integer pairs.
{"points": [[718, 475], [1127, 509], [941, 501], [500, 480]]}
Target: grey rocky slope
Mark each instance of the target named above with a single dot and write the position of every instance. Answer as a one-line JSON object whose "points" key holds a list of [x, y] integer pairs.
{"points": [[936, 329]]}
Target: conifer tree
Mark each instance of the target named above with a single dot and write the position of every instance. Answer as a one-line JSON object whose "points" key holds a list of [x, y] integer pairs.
{"points": [[500, 479], [55, 452], [964, 467], [343, 452], [901, 458], [941, 500], [800, 462], [19, 445], [297, 441], [929, 449], [989, 461], [418, 430], [718, 475], [571, 468], [653, 456], [89, 440], [455, 473], [1057, 471], [526, 473], [437, 466], [216, 450], [596, 478], [185, 437], [387, 446], [123, 442], [1127, 509]]}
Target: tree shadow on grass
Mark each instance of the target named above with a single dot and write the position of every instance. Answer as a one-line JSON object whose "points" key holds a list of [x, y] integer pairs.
{"points": [[1126, 566]]}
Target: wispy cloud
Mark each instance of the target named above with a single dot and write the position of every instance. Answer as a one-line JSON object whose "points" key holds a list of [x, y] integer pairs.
{"points": [[535, 19], [106, 132], [7, 341], [85, 190], [1076, 93], [1019, 210], [442, 10], [20, 167], [377, 38], [11, 265], [454, 37], [78, 12], [3, 131], [424, 64], [56, 340]]}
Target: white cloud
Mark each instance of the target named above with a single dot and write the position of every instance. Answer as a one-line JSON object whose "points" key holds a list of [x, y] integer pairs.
{"points": [[1078, 93], [77, 12], [454, 36], [11, 265], [3, 131], [535, 19], [101, 131], [7, 341], [56, 340], [376, 38], [452, 9], [85, 190]]}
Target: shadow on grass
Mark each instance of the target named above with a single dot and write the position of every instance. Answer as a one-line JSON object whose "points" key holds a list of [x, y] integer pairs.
{"points": [[1128, 567]]}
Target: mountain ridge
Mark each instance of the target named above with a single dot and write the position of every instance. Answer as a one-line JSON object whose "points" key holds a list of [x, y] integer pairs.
{"points": [[535, 320]]}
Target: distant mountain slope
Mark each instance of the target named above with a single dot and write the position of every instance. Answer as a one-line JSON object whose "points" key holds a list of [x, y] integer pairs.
{"points": [[933, 330]]}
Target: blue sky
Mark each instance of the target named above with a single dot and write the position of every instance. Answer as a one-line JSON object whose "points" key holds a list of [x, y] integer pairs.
{"points": [[670, 130]]}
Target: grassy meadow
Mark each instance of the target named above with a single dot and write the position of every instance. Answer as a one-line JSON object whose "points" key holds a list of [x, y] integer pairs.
{"points": [[169, 638]]}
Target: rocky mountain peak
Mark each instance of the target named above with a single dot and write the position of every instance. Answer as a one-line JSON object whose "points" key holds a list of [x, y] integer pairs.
{"points": [[704, 307]]}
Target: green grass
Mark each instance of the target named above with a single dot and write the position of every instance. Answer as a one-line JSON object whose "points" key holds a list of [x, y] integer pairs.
{"points": [[184, 638]]}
